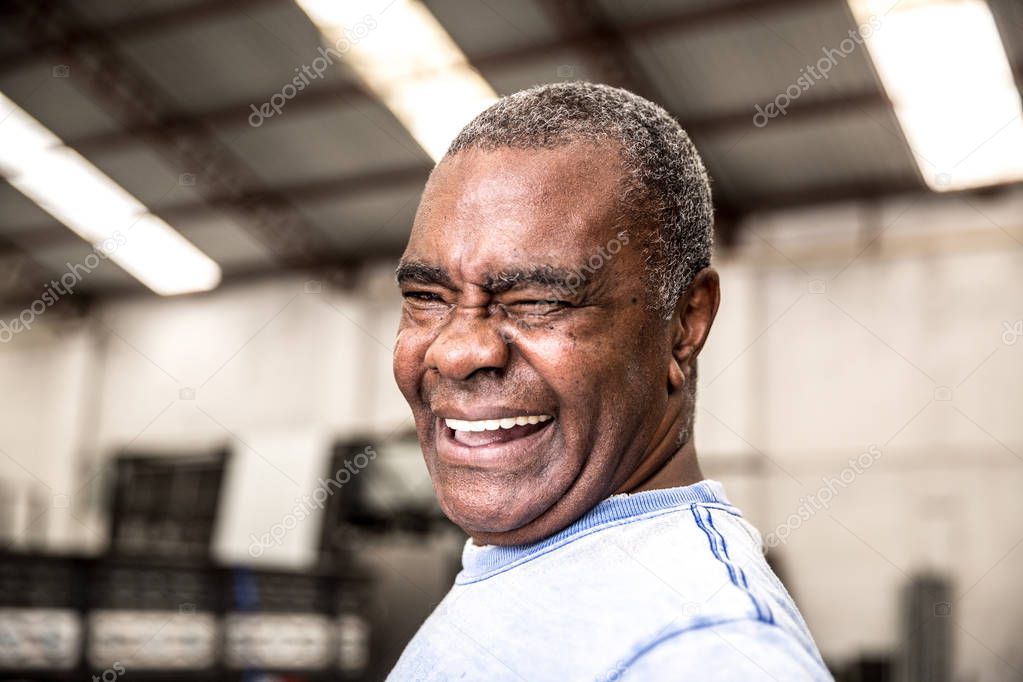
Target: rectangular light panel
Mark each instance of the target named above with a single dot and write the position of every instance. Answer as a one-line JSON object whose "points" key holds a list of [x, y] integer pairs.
{"points": [[64, 184], [406, 58], [944, 67]]}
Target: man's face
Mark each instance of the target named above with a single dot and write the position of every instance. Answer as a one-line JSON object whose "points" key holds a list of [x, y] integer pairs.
{"points": [[527, 349]]}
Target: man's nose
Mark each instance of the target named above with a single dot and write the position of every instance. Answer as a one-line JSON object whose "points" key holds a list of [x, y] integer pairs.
{"points": [[469, 342]]}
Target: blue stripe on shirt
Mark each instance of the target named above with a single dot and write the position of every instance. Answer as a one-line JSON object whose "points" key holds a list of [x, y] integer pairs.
{"points": [[720, 552]]}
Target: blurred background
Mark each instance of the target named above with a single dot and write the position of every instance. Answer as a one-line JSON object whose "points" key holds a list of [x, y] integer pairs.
{"points": [[206, 472]]}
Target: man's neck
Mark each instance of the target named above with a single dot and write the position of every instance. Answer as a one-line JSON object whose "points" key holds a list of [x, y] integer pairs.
{"points": [[681, 469]]}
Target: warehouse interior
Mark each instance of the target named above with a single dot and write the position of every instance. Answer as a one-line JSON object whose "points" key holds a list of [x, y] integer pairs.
{"points": [[217, 478]]}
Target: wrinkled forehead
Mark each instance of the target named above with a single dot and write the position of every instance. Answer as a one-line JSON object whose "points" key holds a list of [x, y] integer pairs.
{"points": [[487, 209]]}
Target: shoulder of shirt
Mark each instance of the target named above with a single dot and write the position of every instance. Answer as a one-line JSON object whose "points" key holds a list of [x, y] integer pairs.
{"points": [[741, 649], [706, 559]]}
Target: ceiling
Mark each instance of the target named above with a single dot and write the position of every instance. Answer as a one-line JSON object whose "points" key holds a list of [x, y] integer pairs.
{"points": [[159, 94]]}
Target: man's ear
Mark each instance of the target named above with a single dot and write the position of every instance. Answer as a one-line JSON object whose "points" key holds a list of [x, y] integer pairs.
{"points": [[690, 324]]}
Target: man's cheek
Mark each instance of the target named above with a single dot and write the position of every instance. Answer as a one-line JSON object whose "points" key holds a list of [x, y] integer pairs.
{"points": [[408, 360], [556, 352]]}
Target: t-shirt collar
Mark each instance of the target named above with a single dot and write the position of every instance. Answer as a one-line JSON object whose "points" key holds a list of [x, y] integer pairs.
{"points": [[479, 563]]}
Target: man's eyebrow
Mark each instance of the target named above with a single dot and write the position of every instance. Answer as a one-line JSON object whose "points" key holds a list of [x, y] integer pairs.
{"points": [[421, 273], [547, 276]]}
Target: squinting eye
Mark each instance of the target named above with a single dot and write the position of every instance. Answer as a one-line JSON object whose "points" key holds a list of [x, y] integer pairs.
{"points": [[535, 307], [424, 300], [421, 296]]}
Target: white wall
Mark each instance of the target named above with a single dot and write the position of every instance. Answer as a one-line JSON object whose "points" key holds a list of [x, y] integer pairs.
{"points": [[41, 423], [841, 328]]}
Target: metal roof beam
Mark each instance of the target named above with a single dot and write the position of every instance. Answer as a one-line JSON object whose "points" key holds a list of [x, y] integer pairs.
{"points": [[132, 26], [204, 10], [191, 145]]}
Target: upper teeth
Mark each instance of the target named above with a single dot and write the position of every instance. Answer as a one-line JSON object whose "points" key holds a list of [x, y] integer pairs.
{"points": [[495, 424]]}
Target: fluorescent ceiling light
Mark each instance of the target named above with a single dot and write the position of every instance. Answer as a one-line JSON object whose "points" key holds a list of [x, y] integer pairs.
{"points": [[944, 67], [64, 184], [404, 56]]}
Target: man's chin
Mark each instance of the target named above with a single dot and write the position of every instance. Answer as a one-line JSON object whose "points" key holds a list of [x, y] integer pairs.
{"points": [[511, 521], [510, 507]]}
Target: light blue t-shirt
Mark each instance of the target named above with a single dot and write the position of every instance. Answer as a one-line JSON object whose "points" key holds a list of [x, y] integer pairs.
{"points": [[661, 585]]}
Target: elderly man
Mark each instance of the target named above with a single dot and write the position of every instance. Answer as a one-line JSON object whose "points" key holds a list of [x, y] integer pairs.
{"points": [[557, 292]]}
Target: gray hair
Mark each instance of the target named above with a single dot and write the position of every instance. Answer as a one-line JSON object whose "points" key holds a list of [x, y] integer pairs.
{"points": [[666, 183]]}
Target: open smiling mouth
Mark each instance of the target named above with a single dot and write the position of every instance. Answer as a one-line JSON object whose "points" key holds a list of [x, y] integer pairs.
{"points": [[484, 432]]}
